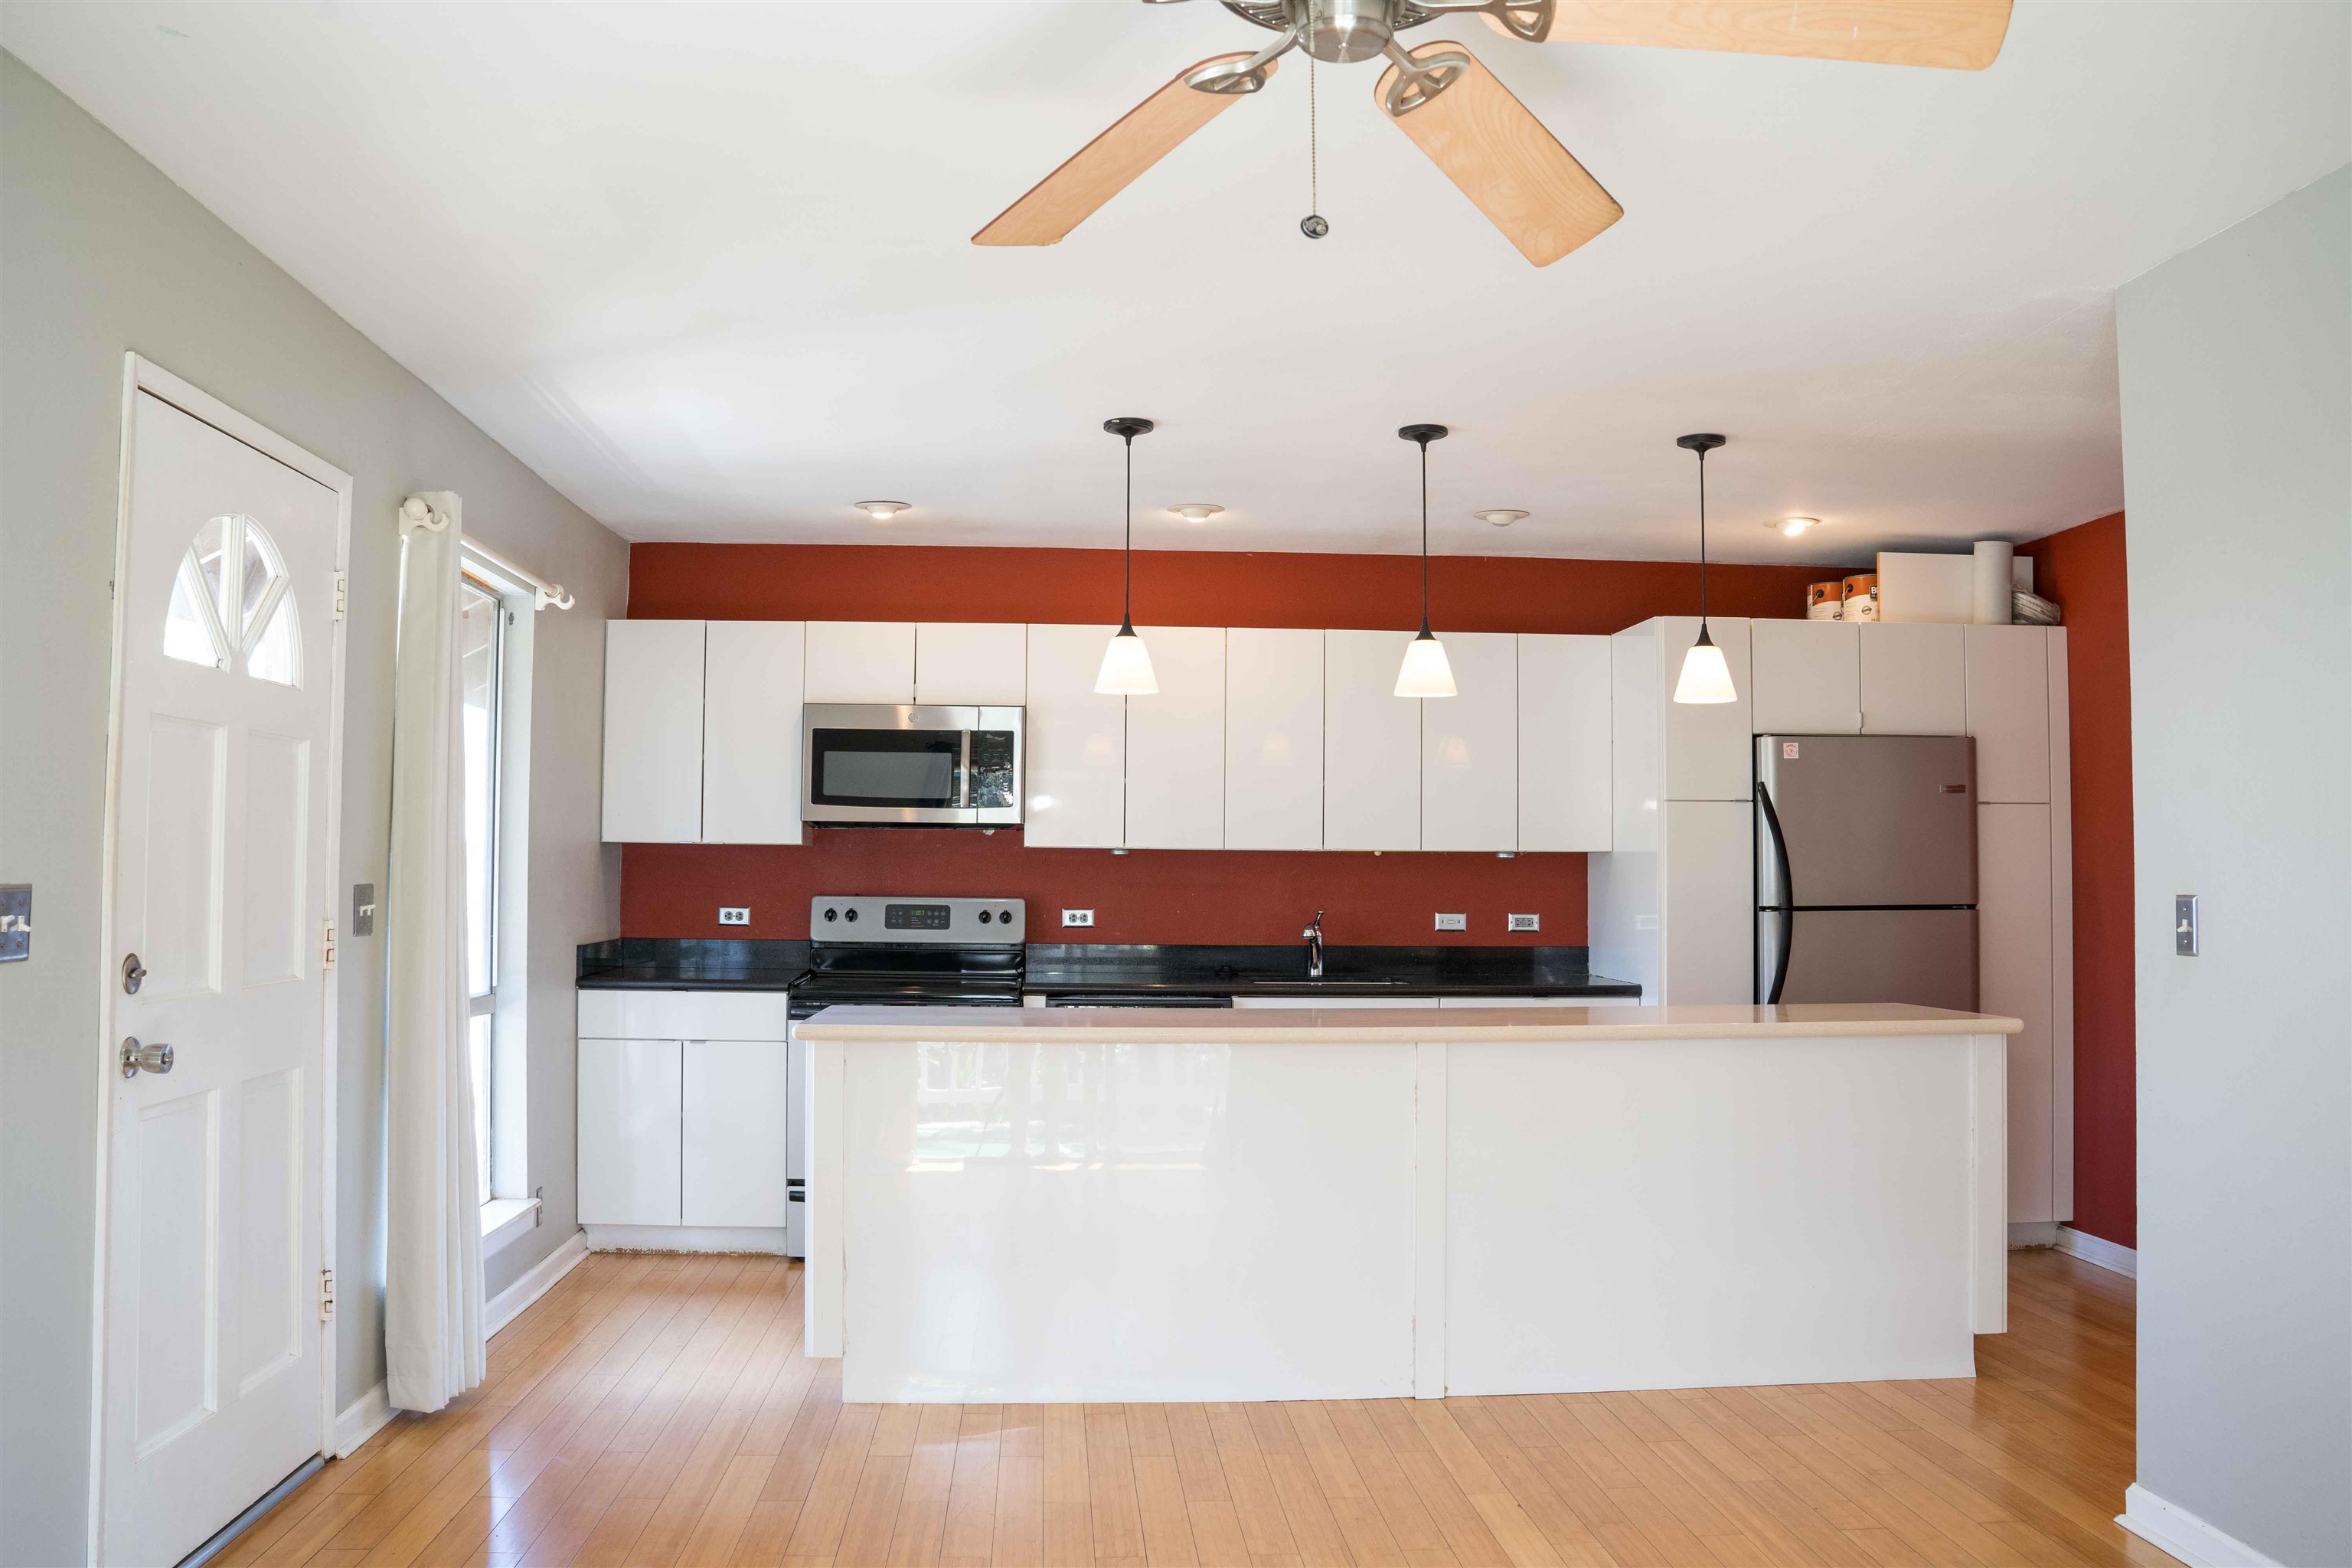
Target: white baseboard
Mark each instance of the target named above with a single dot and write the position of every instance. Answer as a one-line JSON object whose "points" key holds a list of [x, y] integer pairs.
{"points": [[2098, 1250], [362, 1419], [508, 1305], [2182, 1533], [686, 1238], [2032, 1233]]}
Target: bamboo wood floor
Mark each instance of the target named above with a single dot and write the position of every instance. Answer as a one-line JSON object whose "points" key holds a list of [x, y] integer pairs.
{"points": [[657, 1410]]}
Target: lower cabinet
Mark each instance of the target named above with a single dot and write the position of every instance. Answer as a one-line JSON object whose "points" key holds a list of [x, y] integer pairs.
{"points": [[630, 1131], [736, 1105]]}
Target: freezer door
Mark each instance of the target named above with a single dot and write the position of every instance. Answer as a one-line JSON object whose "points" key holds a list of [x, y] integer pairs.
{"points": [[1924, 956], [1846, 821]]}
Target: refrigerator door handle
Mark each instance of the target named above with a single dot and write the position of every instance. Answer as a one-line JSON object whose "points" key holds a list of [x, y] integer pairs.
{"points": [[1786, 907]]}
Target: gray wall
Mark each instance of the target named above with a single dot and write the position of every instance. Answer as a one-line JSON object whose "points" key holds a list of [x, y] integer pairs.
{"points": [[102, 254], [2237, 410]]}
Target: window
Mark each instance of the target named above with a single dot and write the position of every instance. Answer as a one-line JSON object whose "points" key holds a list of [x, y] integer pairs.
{"points": [[219, 616], [482, 623]]}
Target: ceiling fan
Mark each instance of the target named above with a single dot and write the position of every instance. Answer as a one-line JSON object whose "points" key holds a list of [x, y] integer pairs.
{"points": [[1485, 140]]}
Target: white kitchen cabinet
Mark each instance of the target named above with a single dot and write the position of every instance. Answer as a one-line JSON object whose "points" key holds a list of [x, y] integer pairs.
{"points": [[1564, 743], [2009, 711], [980, 663], [653, 731], [2062, 936], [1274, 739], [1634, 779], [1808, 678], [1371, 744], [1702, 747], [1469, 748], [1176, 744], [733, 1113], [751, 732], [1074, 744], [2016, 977], [630, 1130], [1914, 679], [1707, 915], [860, 661]]}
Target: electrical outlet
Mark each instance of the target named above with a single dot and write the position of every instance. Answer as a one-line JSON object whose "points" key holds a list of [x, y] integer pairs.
{"points": [[1078, 917], [1524, 922], [1453, 922], [731, 916]]}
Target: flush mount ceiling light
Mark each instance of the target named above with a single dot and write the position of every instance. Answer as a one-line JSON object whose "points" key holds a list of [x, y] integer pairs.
{"points": [[1706, 677], [1793, 526], [883, 510], [1500, 516], [1426, 672], [1196, 510], [1127, 663]]}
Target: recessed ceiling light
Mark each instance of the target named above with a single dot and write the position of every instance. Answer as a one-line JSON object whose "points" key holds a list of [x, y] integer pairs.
{"points": [[1793, 526], [1196, 510], [882, 510], [1500, 516]]}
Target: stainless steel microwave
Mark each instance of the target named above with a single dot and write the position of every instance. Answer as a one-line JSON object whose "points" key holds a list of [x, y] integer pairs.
{"points": [[915, 767]]}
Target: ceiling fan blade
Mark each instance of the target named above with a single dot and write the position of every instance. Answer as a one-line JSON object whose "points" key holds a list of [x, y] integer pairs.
{"points": [[1956, 35], [1504, 159], [1107, 165]]}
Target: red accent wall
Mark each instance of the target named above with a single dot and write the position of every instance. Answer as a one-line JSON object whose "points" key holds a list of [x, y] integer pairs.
{"points": [[2082, 569], [1170, 896]]}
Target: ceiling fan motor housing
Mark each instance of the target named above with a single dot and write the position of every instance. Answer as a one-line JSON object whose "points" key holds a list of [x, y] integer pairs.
{"points": [[1341, 32]]}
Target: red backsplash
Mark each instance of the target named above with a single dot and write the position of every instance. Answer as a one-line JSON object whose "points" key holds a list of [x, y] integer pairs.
{"points": [[1168, 896]]}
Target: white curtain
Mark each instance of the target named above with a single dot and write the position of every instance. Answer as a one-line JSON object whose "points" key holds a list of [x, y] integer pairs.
{"points": [[433, 1266]]}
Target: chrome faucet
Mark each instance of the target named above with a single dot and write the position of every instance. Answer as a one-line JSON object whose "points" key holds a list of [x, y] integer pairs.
{"points": [[1314, 935]]}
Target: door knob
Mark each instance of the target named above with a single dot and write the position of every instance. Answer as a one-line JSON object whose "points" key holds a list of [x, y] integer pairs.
{"points": [[151, 1058]]}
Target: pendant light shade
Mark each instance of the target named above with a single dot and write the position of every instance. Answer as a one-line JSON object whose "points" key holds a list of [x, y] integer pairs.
{"points": [[1127, 663], [1425, 671], [1706, 675]]}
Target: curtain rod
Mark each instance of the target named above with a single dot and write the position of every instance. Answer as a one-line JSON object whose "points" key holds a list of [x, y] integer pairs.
{"points": [[418, 512]]}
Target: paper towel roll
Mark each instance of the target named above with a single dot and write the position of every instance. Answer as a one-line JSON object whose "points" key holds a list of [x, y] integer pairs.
{"points": [[1991, 582]]}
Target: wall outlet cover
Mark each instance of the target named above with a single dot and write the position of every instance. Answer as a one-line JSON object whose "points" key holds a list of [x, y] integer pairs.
{"points": [[1078, 917], [1453, 922], [1524, 922], [731, 915]]}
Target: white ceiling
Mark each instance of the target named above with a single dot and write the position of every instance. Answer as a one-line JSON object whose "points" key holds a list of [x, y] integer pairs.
{"points": [[706, 267]]}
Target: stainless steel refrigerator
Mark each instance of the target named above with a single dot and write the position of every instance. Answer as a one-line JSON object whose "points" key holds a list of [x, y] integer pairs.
{"points": [[1866, 869]]}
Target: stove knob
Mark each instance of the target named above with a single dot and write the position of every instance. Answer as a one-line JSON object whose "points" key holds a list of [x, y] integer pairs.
{"points": [[851, 915], [986, 917], [1004, 915], [833, 914]]}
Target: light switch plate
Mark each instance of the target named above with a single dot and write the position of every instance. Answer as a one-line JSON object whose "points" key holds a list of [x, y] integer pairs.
{"points": [[15, 922], [1524, 922], [734, 915], [1453, 922], [2184, 924], [1078, 917]]}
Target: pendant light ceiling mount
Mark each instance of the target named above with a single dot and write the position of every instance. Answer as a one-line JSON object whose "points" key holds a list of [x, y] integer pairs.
{"points": [[1706, 676], [1127, 663], [1425, 671]]}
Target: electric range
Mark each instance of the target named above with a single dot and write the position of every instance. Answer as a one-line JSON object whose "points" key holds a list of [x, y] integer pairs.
{"points": [[869, 951]]}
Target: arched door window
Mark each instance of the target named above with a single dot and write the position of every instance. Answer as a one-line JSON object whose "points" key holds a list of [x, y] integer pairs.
{"points": [[232, 605]]}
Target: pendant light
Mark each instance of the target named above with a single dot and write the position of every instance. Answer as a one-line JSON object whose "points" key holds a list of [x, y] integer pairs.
{"points": [[1127, 663], [1706, 677], [1424, 672]]}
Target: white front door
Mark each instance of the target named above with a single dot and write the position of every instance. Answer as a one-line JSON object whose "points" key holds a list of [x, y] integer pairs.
{"points": [[212, 1384]]}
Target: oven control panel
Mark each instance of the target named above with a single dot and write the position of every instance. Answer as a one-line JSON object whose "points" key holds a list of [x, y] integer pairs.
{"points": [[963, 922]]}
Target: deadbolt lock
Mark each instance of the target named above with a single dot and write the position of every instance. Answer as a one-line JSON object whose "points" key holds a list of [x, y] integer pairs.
{"points": [[133, 971]]}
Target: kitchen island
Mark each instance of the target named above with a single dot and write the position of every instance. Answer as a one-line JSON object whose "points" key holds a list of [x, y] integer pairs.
{"points": [[1136, 1204]]}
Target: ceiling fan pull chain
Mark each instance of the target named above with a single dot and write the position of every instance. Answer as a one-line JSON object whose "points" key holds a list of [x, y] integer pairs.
{"points": [[1314, 226]]}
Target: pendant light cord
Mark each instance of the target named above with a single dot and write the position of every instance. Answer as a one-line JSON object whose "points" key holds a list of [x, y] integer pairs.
{"points": [[1702, 541], [1425, 539], [1127, 593]]}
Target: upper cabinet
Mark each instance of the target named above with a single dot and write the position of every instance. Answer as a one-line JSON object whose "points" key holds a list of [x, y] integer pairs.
{"points": [[752, 731], [1371, 744], [1564, 743], [1808, 678], [860, 661], [653, 731], [1914, 679], [1469, 748], [1700, 750], [1175, 741], [2009, 711], [1274, 739], [1074, 742], [973, 663]]}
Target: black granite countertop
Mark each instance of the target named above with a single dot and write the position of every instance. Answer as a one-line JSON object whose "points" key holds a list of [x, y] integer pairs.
{"points": [[1082, 969], [690, 964]]}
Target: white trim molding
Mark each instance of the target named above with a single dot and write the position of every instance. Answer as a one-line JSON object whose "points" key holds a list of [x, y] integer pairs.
{"points": [[362, 1419], [2097, 1249], [505, 1221], [686, 1239], [537, 1280], [2031, 1232], [2182, 1533]]}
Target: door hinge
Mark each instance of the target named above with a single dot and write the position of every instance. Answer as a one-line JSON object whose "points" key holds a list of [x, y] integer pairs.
{"points": [[342, 593], [326, 1294], [327, 959]]}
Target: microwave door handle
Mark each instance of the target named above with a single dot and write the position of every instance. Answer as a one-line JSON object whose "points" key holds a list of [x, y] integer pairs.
{"points": [[963, 771]]}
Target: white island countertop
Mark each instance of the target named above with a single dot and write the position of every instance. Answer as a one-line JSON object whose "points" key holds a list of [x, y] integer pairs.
{"points": [[1194, 1026]]}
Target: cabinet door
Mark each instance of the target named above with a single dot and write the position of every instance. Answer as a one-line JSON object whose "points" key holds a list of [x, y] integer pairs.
{"points": [[1706, 917], [1703, 746], [1564, 743], [860, 661], [1176, 744], [1274, 739], [975, 662], [2015, 979], [2009, 711], [1914, 679], [1808, 678], [735, 1115], [1371, 744], [1633, 771], [653, 731], [751, 732], [1470, 748], [629, 1105], [1074, 742]]}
